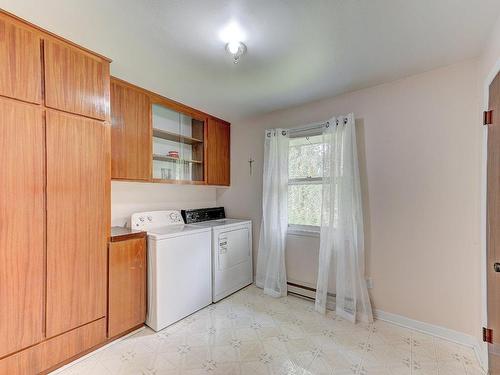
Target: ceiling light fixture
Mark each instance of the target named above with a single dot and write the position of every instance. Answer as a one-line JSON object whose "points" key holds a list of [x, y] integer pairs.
{"points": [[234, 37], [236, 49]]}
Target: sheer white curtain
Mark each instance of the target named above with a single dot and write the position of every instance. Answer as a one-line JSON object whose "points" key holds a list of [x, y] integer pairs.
{"points": [[271, 273], [342, 238]]}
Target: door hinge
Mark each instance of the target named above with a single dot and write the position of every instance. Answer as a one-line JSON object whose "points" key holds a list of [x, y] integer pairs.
{"points": [[488, 335], [487, 117]]}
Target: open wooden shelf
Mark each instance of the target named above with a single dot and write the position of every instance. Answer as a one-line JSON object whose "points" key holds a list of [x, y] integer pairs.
{"points": [[169, 136], [169, 158], [178, 182]]}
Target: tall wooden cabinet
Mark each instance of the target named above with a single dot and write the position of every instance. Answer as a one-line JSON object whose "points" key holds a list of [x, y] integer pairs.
{"points": [[21, 225], [77, 220], [54, 198]]}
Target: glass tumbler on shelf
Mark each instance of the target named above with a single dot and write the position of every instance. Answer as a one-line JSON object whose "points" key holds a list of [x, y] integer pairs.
{"points": [[166, 173]]}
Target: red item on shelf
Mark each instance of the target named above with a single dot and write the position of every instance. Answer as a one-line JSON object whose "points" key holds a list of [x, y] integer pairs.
{"points": [[173, 154]]}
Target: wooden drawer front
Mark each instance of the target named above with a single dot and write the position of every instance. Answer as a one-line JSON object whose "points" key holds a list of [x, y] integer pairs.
{"points": [[127, 285], [218, 153], [26, 362], [130, 133], [70, 344], [20, 57], [78, 206], [50, 353], [76, 81], [21, 225]]}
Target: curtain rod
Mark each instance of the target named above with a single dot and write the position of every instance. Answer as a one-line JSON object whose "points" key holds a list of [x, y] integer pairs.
{"points": [[318, 126], [310, 127]]}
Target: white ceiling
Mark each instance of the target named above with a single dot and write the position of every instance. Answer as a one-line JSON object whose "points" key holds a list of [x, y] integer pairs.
{"points": [[298, 50]]}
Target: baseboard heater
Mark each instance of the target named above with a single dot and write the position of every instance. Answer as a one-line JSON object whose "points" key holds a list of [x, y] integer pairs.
{"points": [[301, 290], [308, 292]]}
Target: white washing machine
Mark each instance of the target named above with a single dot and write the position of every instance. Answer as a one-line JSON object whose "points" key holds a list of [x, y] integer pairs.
{"points": [[231, 249], [179, 266]]}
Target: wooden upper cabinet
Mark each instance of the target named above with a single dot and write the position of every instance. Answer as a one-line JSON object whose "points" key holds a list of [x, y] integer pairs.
{"points": [[218, 152], [20, 61], [21, 225], [156, 139], [127, 285], [75, 80], [130, 132], [78, 220]]}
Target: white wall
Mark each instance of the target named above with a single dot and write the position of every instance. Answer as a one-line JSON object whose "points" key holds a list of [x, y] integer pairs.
{"points": [[302, 257], [420, 146], [130, 197]]}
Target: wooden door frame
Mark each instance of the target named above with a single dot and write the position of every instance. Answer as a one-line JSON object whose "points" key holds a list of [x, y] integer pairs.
{"points": [[483, 352]]}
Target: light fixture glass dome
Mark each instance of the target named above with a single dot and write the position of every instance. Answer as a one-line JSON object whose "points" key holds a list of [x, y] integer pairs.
{"points": [[233, 47], [236, 49]]}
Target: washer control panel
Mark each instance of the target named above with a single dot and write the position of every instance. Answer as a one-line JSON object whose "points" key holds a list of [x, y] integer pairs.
{"points": [[155, 219]]}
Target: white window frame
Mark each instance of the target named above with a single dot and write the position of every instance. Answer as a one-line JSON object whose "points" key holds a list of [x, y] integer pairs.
{"points": [[304, 230]]}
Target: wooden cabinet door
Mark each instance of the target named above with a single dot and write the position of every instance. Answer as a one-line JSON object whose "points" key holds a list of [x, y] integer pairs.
{"points": [[78, 209], [130, 133], [127, 285], [21, 225], [218, 152], [76, 81], [20, 61]]}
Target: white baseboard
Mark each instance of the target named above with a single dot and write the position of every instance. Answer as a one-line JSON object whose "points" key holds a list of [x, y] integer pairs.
{"points": [[437, 331], [83, 358]]}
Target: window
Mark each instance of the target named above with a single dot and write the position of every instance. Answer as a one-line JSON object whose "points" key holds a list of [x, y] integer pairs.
{"points": [[305, 168]]}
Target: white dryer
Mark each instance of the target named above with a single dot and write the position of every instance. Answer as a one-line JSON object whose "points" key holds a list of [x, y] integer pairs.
{"points": [[231, 249], [179, 266]]}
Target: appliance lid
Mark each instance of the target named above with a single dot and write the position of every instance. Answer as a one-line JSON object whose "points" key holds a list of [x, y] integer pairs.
{"points": [[169, 231], [221, 223], [203, 214]]}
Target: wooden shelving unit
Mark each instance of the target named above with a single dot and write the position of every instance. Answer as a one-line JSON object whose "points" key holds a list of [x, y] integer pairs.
{"points": [[168, 127], [158, 133], [169, 158]]}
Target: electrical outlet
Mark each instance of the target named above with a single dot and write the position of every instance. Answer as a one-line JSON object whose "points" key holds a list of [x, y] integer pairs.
{"points": [[369, 283]]}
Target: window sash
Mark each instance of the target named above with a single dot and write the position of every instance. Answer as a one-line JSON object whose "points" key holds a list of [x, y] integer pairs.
{"points": [[303, 229], [306, 181]]}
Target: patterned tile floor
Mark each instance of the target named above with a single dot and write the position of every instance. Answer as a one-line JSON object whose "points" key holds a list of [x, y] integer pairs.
{"points": [[250, 333]]}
